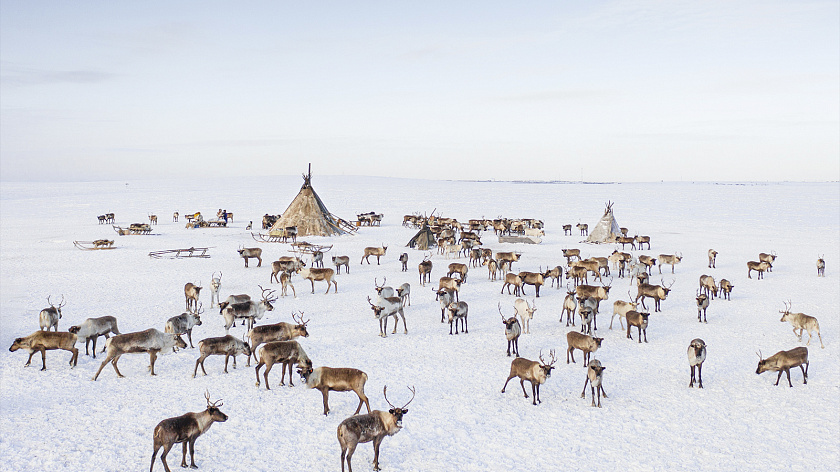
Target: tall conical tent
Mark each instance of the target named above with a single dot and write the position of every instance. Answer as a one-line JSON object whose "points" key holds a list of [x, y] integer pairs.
{"points": [[607, 228], [310, 215], [423, 240]]}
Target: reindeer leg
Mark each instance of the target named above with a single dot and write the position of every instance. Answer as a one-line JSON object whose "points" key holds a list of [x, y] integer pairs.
{"points": [[779, 378], [699, 377], [506, 382], [691, 383], [583, 393], [44, 358], [29, 361], [376, 442], [113, 363], [265, 375], [152, 359], [184, 455], [227, 356], [804, 374], [522, 384], [166, 449]]}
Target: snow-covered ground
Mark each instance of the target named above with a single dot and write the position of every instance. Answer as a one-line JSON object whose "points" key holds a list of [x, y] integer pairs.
{"points": [[59, 420]]}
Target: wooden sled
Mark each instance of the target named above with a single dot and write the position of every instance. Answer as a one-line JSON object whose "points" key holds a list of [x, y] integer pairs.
{"points": [[304, 247], [94, 245], [520, 239], [180, 253], [134, 228], [270, 237]]}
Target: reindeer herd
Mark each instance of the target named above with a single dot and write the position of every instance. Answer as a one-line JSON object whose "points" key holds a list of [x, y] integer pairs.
{"points": [[278, 343]]}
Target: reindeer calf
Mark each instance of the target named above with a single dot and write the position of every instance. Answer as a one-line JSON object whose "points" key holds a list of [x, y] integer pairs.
{"points": [[44, 341]]}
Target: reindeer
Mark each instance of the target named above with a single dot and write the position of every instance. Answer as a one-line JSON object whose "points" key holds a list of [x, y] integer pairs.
{"points": [[227, 345], [509, 257], [821, 266], [249, 253], [801, 322], [184, 323], [696, 356], [175, 217], [702, 305], [458, 312], [319, 274], [657, 292], [512, 331], [620, 308], [150, 340], [567, 230], [231, 299], [374, 251], [578, 274], [648, 261], [554, 274], [759, 267], [768, 258], [640, 321], [669, 259], [404, 292], [445, 296], [460, 269], [339, 261], [286, 283], [569, 307], [585, 343], [725, 288], [515, 281], [569, 254], [594, 376], [44, 341], [215, 286], [153, 219], [373, 426], [492, 268], [707, 285], [525, 312], [475, 257], [404, 262], [532, 278], [450, 284], [535, 372], [249, 310], [318, 259], [623, 240], [584, 229], [185, 429], [783, 361], [328, 379], [712, 255], [48, 317], [425, 269], [191, 292], [383, 291], [589, 266], [286, 352], [642, 240], [92, 328], [385, 307], [277, 332]]}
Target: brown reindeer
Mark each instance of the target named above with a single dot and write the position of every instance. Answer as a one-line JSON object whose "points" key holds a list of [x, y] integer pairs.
{"points": [[185, 429]]}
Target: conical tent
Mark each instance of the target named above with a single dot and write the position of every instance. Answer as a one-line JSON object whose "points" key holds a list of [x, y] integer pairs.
{"points": [[423, 240], [309, 214], [607, 228]]}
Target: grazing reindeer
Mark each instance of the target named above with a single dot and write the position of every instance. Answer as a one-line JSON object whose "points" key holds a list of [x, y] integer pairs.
{"points": [[535, 372], [404, 261], [48, 317], [696, 356], [228, 346], [512, 331], [585, 343], [712, 255], [821, 266], [150, 340], [251, 253], [759, 267], [640, 321], [623, 240], [460, 269], [185, 429], [768, 258], [215, 286], [374, 251], [339, 261], [286, 352], [783, 361], [373, 426], [725, 288], [44, 341], [191, 294], [92, 328], [707, 285], [340, 379], [801, 322], [425, 269], [702, 304], [458, 312], [595, 377]]}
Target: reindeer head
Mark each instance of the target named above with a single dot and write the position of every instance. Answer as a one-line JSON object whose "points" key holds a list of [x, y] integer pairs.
{"points": [[377, 310], [267, 298], [786, 313], [60, 304], [213, 409], [196, 312], [508, 322], [379, 287], [216, 282], [762, 364], [395, 411], [547, 367], [301, 325], [698, 345]]}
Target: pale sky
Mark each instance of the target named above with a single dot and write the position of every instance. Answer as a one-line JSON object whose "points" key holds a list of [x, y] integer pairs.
{"points": [[559, 90]]}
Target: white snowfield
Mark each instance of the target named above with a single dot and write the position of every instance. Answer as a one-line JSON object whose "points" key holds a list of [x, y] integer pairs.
{"points": [[60, 420]]}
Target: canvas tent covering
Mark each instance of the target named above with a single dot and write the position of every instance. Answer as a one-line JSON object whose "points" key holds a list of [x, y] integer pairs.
{"points": [[607, 228], [423, 240], [310, 215]]}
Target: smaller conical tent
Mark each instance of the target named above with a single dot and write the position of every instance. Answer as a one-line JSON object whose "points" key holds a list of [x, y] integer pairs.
{"points": [[423, 240], [310, 215], [607, 228]]}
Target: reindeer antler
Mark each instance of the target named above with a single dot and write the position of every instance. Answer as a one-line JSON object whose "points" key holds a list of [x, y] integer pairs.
{"points": [[210, 404], [385, 393], [553, 358], [500, 312]]}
